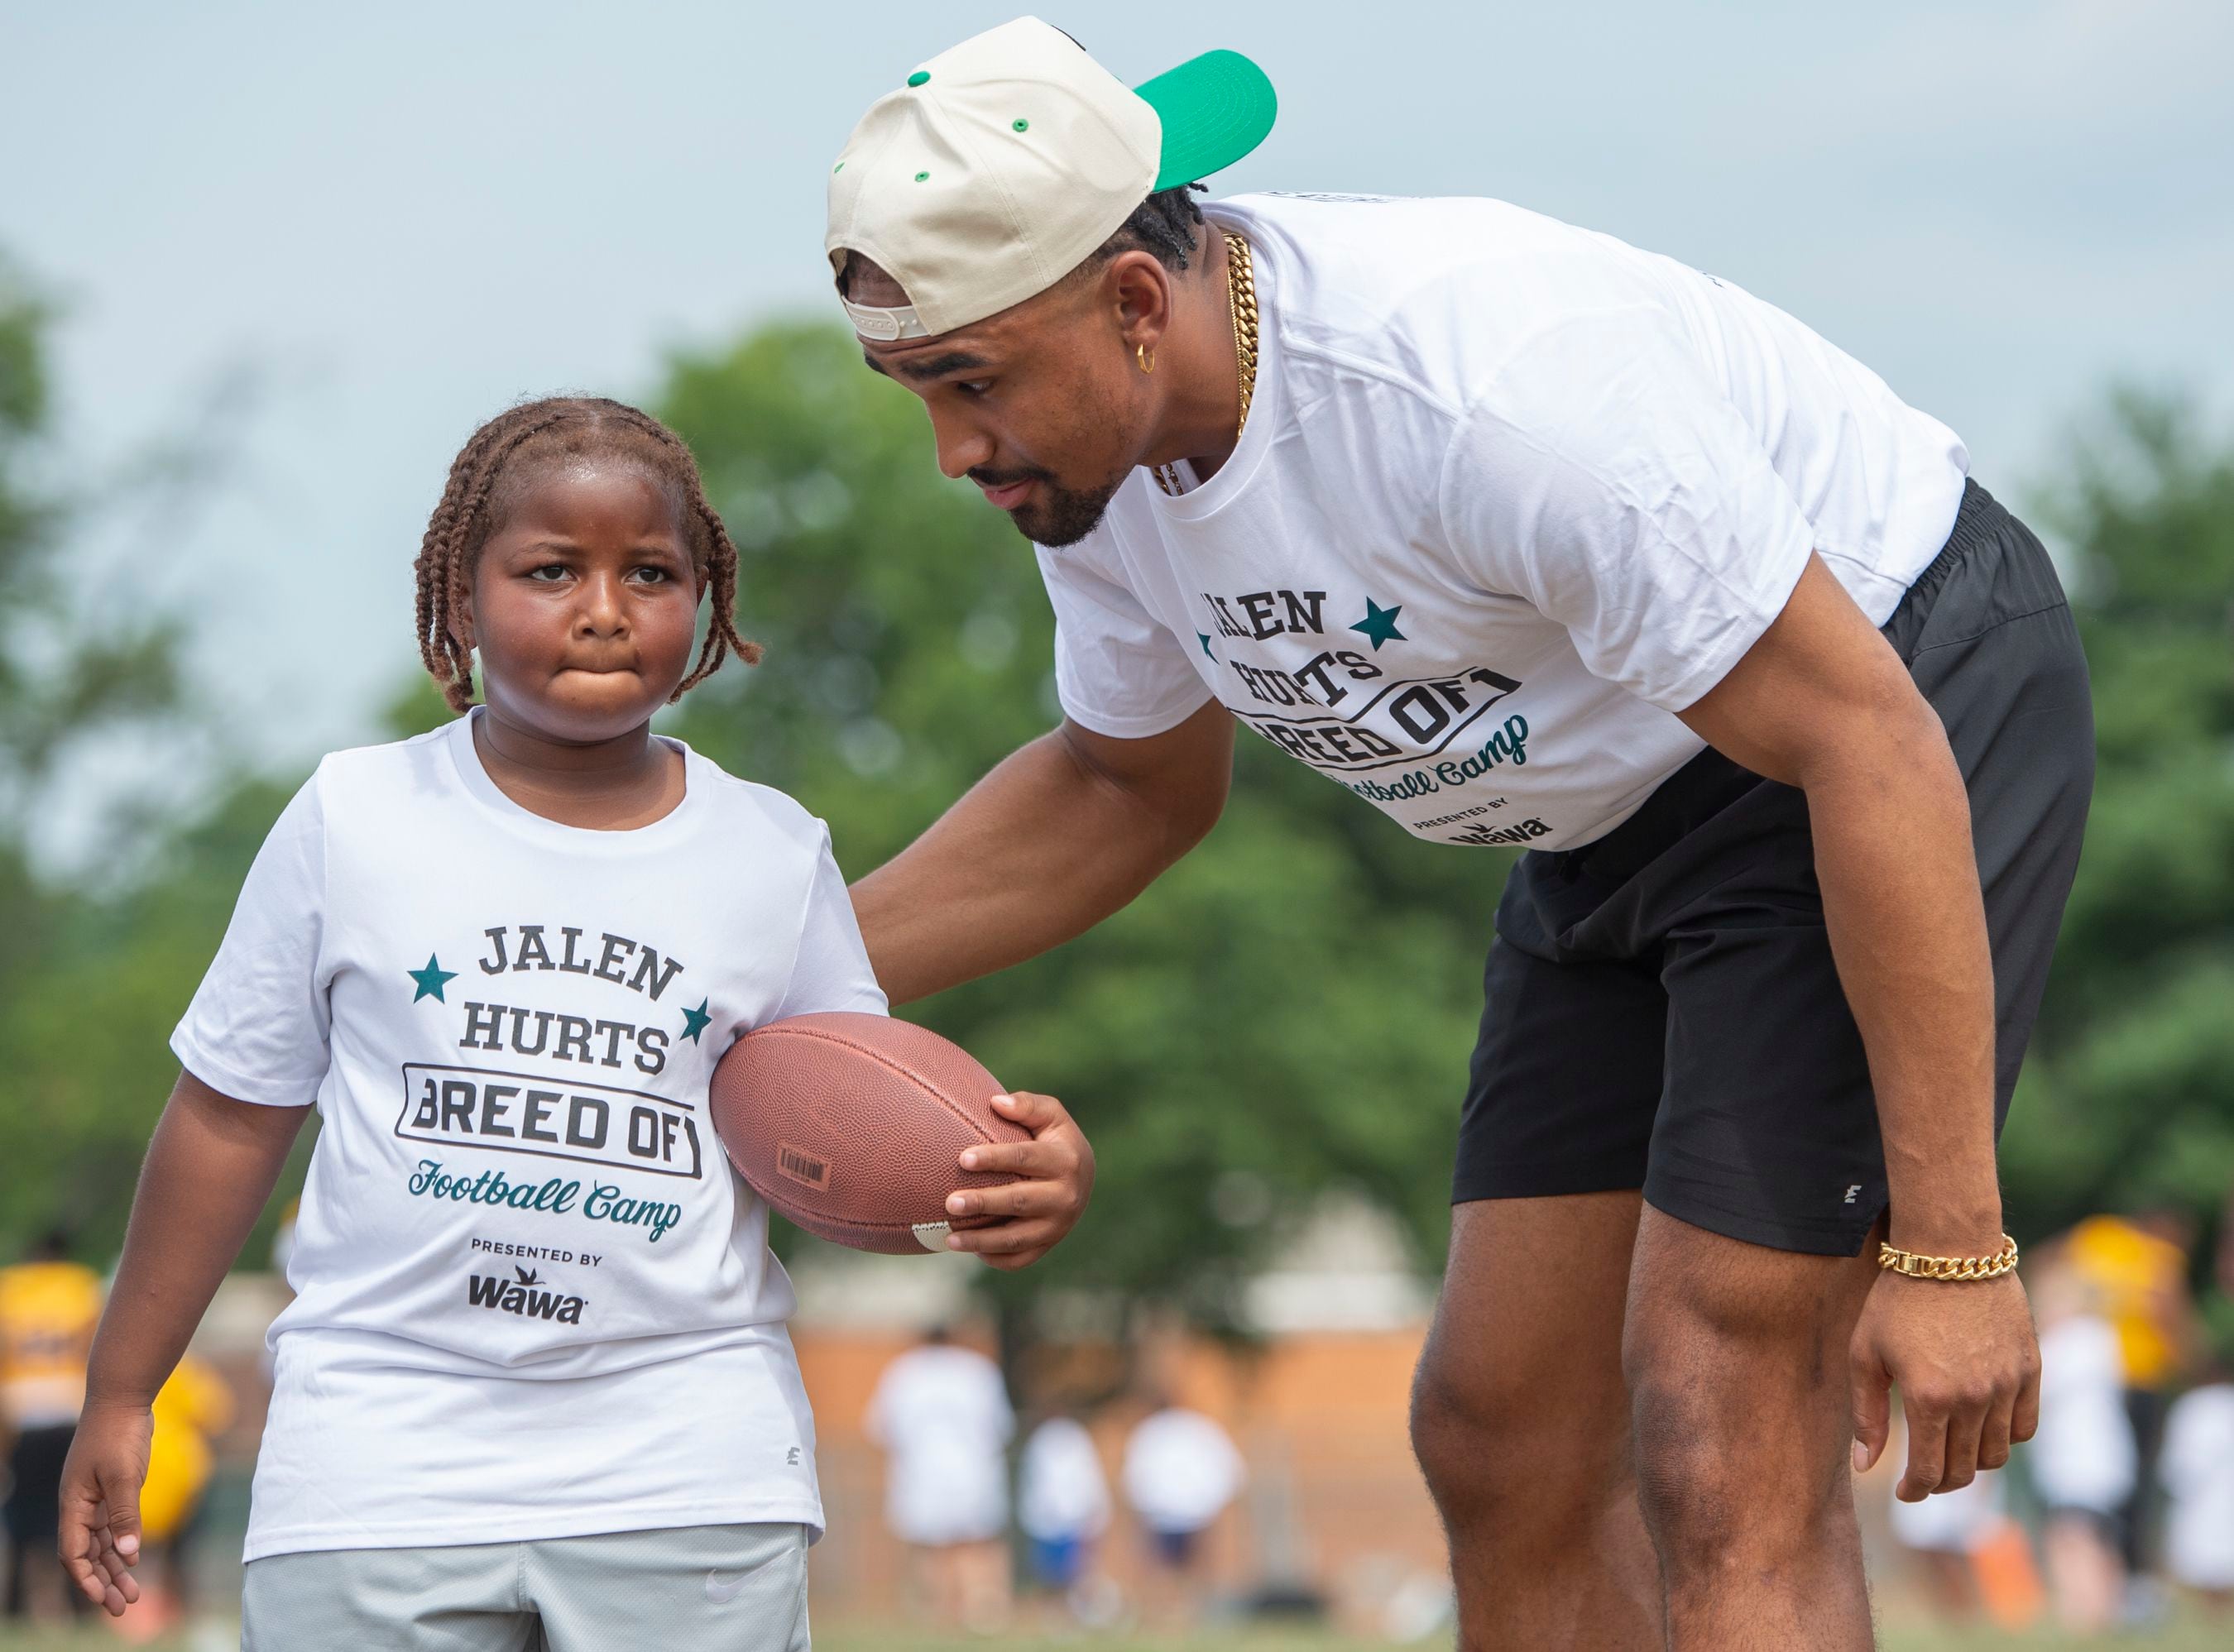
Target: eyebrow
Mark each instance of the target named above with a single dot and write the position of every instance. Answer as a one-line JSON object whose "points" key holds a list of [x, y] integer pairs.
{"points": [[937, 368]]}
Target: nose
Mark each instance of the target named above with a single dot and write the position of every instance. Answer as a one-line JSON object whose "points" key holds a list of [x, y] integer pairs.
{"points": [[600, 609], [962, 446]]}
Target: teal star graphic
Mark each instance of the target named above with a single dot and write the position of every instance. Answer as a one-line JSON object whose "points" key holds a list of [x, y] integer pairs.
{"points": [[430, 980], [695, 1021], [1379, 624], [1206, 654]]}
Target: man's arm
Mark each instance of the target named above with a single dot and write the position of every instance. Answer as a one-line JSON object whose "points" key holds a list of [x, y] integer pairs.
{"points": [[1821, 701], [1066, 831]]}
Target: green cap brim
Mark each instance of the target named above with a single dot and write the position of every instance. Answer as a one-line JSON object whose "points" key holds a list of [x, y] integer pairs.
{"points": [[1215, 109]]}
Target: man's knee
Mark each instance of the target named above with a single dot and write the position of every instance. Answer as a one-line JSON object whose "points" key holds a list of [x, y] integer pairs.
{"points": [[1498, 1449], [1739, 1437]]}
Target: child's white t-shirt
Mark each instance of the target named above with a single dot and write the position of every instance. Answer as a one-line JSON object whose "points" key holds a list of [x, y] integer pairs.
{"points": [[533, 1298]]}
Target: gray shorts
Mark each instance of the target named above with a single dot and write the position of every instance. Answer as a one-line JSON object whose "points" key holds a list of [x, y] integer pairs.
{"points": [[719, 1588]]}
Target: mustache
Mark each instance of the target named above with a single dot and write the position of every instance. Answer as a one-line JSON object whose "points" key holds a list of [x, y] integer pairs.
{"points": [[985, 478]]}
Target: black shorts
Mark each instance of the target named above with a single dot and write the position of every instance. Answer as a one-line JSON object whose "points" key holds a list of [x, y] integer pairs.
{"points": [[1662, 1011], [33, 1514]]}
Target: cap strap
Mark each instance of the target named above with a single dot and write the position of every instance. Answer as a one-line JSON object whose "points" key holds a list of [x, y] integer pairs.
{"points": [[872, 323]]}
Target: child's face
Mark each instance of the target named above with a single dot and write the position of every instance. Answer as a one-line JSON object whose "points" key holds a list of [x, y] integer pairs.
{"points": [[583, 603]]}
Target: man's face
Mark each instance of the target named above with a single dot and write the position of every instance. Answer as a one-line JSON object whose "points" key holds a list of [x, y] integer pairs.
{"points": [[1042, 406]]}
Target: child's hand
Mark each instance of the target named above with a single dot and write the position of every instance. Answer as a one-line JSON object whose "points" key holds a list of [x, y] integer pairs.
{"points": [[102, 1478], [1055, 1172]]}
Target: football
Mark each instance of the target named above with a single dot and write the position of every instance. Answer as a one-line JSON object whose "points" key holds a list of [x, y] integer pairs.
{"points": [[853, 1126]]}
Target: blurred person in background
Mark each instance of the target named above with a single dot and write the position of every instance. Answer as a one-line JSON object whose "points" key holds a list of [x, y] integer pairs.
{"points": [[942, 1414], [2083, 1458], [1971, 1555], [193, 1405], [1181, 1472], [1062, 1506], [49, 1307], [2196, 1471], [2135, 1270], [1942, 1533]]}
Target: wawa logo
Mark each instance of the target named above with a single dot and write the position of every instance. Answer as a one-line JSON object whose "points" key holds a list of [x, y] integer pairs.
{"points": [[523, 1295]]}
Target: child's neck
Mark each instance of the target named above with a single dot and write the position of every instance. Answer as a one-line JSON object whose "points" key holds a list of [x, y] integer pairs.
{"points": [[604, 786]]}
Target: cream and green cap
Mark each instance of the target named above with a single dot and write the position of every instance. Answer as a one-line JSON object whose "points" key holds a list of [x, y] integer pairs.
{"points": [[1003, 161]]}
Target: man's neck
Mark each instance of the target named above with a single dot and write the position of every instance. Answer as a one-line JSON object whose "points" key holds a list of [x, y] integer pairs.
{"points": [[1202, 415]]}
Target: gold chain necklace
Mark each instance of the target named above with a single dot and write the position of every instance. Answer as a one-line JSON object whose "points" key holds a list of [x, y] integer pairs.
{"points": [[1241, 304]]}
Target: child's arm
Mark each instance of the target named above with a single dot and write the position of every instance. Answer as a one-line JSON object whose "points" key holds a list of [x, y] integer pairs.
{"points": [[209, 1171]]}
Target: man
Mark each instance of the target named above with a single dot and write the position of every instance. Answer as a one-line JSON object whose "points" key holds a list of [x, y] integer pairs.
{"points": [[1528, 538]]}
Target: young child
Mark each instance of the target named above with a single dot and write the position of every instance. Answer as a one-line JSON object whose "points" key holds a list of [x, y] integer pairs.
{"points": [[535, 1388]]}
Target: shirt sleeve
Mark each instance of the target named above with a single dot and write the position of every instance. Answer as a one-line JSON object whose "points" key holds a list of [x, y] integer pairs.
{"points": [[1604, 478], [1117, 670], [830, 971], [257, 1028]]}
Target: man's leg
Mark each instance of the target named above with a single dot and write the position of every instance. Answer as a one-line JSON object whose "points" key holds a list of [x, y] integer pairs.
{"points": [[1521, 1421], [1737, 1360]]}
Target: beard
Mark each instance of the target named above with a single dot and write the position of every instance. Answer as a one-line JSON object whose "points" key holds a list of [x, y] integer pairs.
{"points": [[1059, 516]]}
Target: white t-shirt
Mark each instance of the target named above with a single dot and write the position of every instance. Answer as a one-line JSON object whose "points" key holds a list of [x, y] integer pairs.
{"points": [[534, 1299], [2083, 1455], [1180, 1471], [942, 1414], [1510, 494], [2196, 1467], [1062, 1493]]}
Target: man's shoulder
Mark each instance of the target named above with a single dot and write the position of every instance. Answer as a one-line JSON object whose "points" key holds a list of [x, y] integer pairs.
{"points": [[1432, 295]]}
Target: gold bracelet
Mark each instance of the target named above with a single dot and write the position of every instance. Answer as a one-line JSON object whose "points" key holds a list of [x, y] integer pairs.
{"points": [[1915, 1267]]}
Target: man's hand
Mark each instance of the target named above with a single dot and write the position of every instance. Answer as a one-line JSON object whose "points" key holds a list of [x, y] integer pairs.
{"points": [[1967, 1365], [101, 1477], [1056, 1178]]}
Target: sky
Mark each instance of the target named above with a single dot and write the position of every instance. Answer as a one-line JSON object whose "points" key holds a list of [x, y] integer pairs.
{"points": [[319, 244]]}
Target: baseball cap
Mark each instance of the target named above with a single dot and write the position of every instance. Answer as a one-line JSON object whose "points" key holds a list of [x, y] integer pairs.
{"points": [[1002, 162]]}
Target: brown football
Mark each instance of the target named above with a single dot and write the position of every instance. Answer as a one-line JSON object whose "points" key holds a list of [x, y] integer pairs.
{"points": [[853, 1125]]}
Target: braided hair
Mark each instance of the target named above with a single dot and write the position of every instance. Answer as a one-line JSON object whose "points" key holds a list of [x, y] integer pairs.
{"points": [[486, 479], [1163, 226]]}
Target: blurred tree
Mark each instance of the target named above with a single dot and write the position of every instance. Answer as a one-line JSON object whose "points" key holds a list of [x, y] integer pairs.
{"points": [[1289, 1010], [64, 676], [2129, 1097], [67, 675]]}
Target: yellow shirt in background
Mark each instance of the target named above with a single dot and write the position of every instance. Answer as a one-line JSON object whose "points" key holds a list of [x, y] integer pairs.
{"points": [[2134, 1279], [193, 1404], [48, 1311]]}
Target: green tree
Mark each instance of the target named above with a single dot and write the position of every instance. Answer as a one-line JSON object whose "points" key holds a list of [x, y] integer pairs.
{"points": [[2129, 1097], [67, 675], [64, 676]]}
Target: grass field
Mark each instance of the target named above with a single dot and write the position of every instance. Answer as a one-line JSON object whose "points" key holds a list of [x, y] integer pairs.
{"points": [[885, 1637]]}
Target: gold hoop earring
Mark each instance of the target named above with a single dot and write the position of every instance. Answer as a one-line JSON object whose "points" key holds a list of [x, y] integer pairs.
{"points": [[1146, 357]]}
